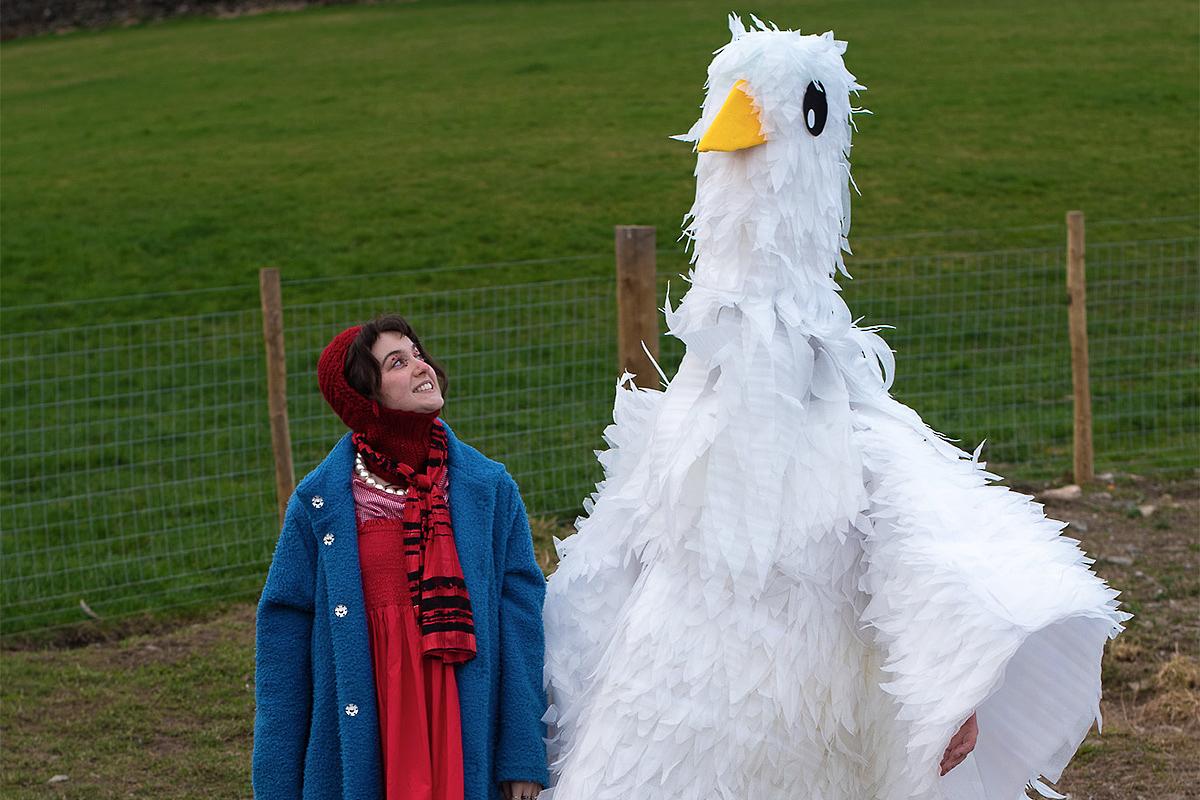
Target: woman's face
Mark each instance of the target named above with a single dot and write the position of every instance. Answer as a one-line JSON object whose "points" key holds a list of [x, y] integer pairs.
{"points": [[406, 382]]}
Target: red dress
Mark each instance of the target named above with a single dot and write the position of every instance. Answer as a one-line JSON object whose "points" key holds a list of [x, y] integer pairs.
{"points": [[419, 726]]}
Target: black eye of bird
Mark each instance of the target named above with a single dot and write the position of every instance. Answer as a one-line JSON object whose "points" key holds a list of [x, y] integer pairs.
{"points": [[816, 109]]}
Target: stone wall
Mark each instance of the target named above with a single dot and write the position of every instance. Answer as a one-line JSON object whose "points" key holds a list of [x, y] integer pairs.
{"points": [[32, 17]]}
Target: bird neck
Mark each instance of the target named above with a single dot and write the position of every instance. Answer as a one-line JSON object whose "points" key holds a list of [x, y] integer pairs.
{"points": [[755, 237]]}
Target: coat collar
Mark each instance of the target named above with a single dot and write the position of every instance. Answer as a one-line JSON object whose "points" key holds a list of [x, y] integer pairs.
{"points": [[326, 490]]}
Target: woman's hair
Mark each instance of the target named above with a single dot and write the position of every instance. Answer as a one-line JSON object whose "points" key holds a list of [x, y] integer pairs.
{"points": [[362, 370]]}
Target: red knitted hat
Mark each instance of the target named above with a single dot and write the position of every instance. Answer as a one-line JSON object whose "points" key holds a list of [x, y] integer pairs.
{"points": [[353, 409]]}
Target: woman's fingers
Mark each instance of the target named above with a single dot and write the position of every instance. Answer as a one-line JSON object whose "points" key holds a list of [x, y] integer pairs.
{"points": [[953, 756], [951, 762], [519, 790], [961, 745]]}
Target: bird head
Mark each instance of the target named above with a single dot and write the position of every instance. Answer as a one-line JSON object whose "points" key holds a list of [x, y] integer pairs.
{"points": [[773, 182]]}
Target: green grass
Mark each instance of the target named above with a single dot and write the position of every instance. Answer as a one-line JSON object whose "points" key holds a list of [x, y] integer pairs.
{"points": [[341, 143], [184, 707], [342, 140]]}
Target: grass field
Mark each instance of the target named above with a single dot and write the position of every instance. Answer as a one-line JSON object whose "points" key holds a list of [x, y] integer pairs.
{"points": [[360, 149], [343, 140]]}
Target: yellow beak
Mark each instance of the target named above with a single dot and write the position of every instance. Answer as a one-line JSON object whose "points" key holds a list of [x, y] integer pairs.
{"points": [[737, 126]]}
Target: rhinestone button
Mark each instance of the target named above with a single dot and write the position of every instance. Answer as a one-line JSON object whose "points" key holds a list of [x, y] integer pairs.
{"points": [[351, 710], [328, 540], [341, 611], [318, 501]]}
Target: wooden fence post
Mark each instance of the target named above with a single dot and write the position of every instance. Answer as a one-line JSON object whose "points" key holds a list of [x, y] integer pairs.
{"points": [[1084, 466], [281, 440], [637, 307]]}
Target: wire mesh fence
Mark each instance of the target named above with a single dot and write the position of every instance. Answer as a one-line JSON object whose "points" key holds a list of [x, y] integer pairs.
{"points": [[1144, 330], [531, 367], [136, 461], [133, 460]]}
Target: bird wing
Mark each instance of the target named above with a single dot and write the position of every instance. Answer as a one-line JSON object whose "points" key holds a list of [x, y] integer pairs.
{"points": [[979, 604]]}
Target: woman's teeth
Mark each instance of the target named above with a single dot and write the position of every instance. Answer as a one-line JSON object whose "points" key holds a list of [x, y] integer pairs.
{"points": [[424, 387]]}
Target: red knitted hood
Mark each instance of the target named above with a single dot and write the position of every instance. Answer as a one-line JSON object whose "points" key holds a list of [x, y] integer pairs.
{"points": [[401, 435]]}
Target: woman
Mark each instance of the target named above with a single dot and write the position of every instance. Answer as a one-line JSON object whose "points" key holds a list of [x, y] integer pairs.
{"points": [[399, 643]]}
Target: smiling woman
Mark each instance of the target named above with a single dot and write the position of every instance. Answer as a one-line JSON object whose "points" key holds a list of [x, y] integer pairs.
{"points": [[399, 643]]}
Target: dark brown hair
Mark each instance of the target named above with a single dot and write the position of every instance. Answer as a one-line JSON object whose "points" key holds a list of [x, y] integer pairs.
{"points": [[362, 370]]}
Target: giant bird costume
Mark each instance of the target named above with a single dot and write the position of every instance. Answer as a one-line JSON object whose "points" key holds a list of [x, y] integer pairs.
{"points": [[788, 586]]}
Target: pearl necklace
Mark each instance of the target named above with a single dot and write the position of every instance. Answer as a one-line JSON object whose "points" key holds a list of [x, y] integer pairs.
{"points": [[370, 480]]}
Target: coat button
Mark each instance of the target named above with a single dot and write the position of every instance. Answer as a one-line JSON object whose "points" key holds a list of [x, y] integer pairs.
{"points": [[318, 501], [341, 611], [351, 710], [328, 540]]}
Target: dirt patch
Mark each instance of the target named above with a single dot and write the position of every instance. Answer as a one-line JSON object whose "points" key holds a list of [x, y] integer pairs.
{"points": [[112, 631], [234, 627], [1146, 542]]}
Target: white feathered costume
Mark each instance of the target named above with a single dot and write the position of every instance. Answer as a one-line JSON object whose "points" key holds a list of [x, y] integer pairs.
{"points": [[788, 586]]}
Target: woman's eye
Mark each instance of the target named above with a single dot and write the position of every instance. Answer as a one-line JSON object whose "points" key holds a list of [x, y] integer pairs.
{"points": [[816, 109]]}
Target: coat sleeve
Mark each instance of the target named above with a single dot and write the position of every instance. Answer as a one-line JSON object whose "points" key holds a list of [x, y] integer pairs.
{"points": [[521, 746], [283, 664]]}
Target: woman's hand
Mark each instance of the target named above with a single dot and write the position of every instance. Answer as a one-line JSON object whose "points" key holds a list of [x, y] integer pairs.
{"points": [[961, 744], [520, 790]]}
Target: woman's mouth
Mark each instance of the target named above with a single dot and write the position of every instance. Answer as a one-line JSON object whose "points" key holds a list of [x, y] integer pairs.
{"points": [[427, 386]]}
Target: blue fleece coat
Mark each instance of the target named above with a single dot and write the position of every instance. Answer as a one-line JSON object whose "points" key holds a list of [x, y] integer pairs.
{"points": [[316, 728]]}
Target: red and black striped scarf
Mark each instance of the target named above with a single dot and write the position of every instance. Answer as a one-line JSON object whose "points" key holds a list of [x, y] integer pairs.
{"points": [[434, 574]]}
